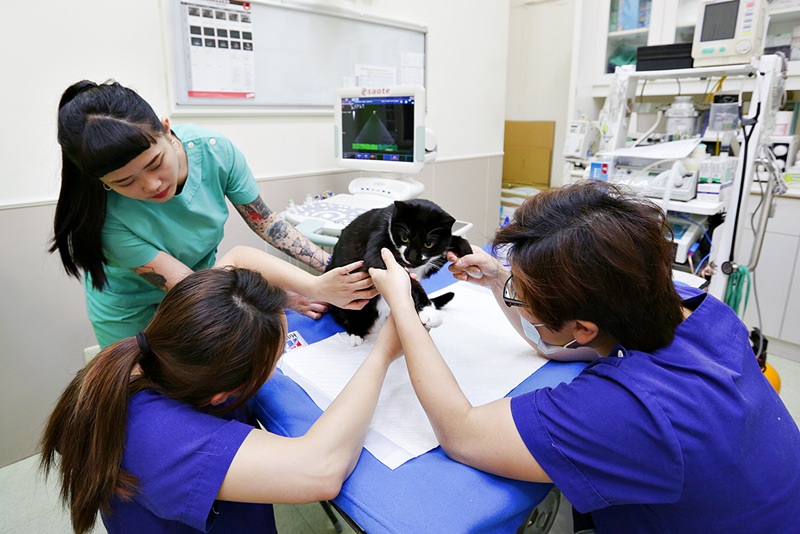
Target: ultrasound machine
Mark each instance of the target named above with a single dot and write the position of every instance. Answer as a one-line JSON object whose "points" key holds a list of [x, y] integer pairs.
{"points": [[377, 130]]}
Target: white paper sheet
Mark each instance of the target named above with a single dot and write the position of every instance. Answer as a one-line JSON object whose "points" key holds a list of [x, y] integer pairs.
{"points": [[486, 355]]}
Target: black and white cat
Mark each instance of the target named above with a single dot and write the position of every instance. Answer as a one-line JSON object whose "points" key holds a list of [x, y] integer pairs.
{"points": [[419, 234]]}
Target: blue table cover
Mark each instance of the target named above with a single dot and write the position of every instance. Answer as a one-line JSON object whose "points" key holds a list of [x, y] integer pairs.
{"points": [[430, 493]]}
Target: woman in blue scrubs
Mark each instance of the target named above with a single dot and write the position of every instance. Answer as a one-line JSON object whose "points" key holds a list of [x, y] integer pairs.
{"points": [[672, 427], [154, 434], [143, 204]]}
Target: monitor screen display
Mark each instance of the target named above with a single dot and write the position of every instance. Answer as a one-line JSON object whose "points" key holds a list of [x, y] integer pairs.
{"points": [[719, 21], [379, 129]]}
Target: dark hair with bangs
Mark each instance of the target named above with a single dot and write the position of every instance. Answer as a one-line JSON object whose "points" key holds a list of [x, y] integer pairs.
{"points": [[216, 331], [589, 251], [101, 128]]}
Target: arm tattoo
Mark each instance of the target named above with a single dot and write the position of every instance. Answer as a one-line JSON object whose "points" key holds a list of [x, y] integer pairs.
{"points": [[255, 213], [158, 280], [283, 236]]}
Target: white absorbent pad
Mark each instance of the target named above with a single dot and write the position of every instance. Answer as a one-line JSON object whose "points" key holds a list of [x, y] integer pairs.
{"points": [[485, 353]]}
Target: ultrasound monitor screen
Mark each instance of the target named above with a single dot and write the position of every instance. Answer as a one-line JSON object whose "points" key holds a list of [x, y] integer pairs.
{"points": [[719, 21], [378, 128]]}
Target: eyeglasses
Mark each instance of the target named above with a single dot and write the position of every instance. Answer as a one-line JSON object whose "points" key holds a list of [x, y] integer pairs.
{"points": [[510, 294]]}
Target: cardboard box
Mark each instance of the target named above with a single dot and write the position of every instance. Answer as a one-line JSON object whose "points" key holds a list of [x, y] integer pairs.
{"points": [[528, 151]]}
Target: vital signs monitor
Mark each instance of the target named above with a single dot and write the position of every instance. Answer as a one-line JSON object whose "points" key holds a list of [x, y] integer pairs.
{"points": [[729, 32]]}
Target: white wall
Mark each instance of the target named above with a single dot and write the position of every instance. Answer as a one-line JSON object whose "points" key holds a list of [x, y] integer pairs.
{"points": [[43, 325], [540, 48], [46, 48], [64, 41]]}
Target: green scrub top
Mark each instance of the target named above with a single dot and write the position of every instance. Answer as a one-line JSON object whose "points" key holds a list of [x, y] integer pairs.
{"points": [[188, 227]]}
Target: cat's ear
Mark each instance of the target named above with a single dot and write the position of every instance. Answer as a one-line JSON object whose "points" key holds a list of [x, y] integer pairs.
{"points": [[399, 206]]}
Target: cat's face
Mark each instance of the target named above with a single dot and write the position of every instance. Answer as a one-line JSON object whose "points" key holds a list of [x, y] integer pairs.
{"points": [[420, 231]]}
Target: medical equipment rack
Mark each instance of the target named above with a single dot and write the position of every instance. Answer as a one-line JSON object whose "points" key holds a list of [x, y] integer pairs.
{"points": [[769, 73]]}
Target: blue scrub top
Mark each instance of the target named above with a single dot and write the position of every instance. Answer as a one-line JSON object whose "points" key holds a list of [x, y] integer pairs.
{"points": [[180, 457], [691, 438]]}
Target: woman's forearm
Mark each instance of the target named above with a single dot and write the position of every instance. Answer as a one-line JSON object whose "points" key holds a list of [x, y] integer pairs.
{"points": [[343, 286], [434, 383], [312, 467], [339, 433], [273, 229], [277, 271], [288, 239]]}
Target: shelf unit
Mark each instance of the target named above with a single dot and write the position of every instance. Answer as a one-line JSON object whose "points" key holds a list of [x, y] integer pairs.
{"points": [[769, 75], [667, 23], [589, 87]]}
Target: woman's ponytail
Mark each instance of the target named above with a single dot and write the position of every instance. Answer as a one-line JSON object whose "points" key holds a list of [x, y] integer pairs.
{"points": [[78, 224], [74, 90], [87, 430]]}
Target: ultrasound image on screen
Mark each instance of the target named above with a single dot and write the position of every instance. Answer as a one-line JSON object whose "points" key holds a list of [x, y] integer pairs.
{"points": [[379, 128]]}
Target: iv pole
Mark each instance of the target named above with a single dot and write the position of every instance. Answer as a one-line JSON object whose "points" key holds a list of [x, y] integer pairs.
{"points": [[766, 99]]}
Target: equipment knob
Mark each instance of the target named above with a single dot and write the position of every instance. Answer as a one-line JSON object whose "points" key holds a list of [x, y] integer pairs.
{"points": [[742, 47]]}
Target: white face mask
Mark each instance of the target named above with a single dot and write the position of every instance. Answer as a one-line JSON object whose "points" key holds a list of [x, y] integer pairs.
{"points": [[565, 353], [544, 347]]}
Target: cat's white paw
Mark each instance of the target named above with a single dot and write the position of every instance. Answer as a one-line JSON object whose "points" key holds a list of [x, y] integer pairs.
{"points": [[431, 317], [355, 340], [351, 339]]}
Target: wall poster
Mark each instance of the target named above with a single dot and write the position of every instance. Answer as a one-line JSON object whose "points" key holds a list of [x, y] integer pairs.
{"points": [[219, 49]]}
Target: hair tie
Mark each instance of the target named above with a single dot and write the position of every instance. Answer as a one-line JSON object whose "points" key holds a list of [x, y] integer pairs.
{"points": [[144, 346]]}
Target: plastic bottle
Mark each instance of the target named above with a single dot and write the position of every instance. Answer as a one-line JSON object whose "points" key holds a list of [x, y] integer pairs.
{"points": [[681, 118]]}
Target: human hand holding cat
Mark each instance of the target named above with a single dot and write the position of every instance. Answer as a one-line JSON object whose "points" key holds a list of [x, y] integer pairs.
{"points": [[394, 283], [346, 287], [306, 306], [479, 267]]}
